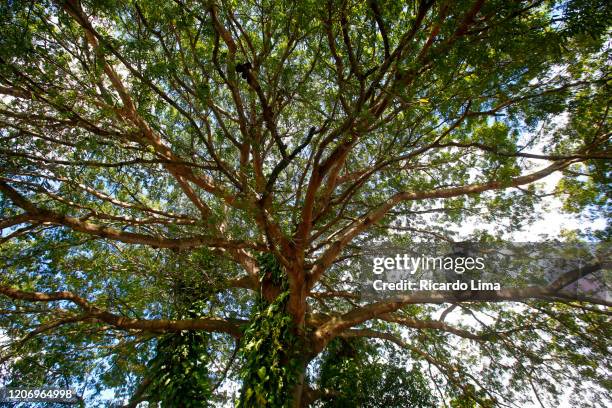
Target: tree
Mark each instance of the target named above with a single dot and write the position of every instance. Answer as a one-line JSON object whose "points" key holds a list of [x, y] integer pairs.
{"points": [[181, 173]]}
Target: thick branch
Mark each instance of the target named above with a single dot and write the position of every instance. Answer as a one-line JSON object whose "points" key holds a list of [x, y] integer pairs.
{"points": [[38, 215], [552, 292], [378, 213], [150, 325]]}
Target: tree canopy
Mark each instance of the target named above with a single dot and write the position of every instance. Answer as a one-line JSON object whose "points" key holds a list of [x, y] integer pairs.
{"points": [[184, 183]]}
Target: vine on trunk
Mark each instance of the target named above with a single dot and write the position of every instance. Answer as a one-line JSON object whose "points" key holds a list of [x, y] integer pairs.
{"points": [[179, 372], [269, 349]]}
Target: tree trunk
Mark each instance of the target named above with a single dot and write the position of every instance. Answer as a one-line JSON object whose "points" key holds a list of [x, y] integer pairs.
{"points": [[294, 395], [275, 350], [297, 397]]}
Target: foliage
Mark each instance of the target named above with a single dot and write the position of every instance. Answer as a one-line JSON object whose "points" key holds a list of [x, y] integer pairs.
{"points": [[178, 177], [355, 374]]}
